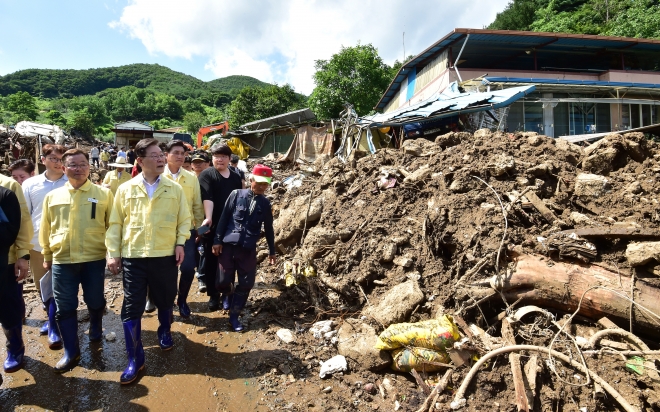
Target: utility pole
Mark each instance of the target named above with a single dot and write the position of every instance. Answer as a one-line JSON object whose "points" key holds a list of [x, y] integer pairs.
{"points": [[404, 48]]}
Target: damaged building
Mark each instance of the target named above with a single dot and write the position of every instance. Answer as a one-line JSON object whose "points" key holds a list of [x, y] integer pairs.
{"points": [[583, 84]]}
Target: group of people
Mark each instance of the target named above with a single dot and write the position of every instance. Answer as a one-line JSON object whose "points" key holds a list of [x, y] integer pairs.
{"points": [[148, 227]]}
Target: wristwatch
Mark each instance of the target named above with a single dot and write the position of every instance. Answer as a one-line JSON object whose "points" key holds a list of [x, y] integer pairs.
{"points": [[26, 257]]}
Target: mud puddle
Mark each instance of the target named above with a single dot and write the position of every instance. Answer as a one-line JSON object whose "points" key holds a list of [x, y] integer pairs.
{"points": [[209, 368]]}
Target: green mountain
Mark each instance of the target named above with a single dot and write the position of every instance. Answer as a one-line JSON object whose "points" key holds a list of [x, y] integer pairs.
{"points": [[50, 83], [624, 18]]}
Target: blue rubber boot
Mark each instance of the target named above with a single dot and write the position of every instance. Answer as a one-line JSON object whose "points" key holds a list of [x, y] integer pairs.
{"points": [[134, 350], [237, 303], [54, 339], [226, 301], [43, 330], [15, 349], [95, 325], [69, 334], [164, 330]]}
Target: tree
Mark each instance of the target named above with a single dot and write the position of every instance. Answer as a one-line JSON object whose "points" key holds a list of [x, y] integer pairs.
{"points": [[518, 15], [193, 121], [55, 117], [82, 122], [254, 103], [355, 75], [23, 106]]}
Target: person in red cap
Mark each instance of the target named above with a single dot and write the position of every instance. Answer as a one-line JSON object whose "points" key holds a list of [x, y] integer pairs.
{"points": [[236, 236]]}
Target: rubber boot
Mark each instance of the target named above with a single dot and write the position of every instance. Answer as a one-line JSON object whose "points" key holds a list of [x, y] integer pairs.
{"points": [[226, 301], [95, 325], [15, 349], [184, 289], [43, 330], [54, 340], [237, 303], [69, 334], [134, 350], [164, 330]]}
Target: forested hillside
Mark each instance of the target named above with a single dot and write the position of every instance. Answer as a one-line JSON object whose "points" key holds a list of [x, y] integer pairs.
{"points": [[69, 83], [625, 18], [90, 101]]}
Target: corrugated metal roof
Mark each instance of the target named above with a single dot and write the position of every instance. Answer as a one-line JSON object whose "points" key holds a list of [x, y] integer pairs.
{"points": [[449, 103], [296, 116], [506, 49]]}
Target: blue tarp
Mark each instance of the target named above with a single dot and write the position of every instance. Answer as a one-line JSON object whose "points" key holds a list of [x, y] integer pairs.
{"points": [[450, 103]]}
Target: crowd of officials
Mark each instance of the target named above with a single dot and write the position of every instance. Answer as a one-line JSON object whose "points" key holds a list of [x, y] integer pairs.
{"points": [[171, 215]]}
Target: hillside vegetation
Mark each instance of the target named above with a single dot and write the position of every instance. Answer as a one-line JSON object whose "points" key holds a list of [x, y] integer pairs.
{"points": [[50, 83], [624, 18]]}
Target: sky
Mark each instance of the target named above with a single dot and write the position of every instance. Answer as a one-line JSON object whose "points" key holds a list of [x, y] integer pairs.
{"points": [[276, 41]]}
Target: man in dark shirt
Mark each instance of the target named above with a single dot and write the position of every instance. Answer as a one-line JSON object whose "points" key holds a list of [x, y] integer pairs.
{"points": [[217, 183], [233, 166], [236, 238]]}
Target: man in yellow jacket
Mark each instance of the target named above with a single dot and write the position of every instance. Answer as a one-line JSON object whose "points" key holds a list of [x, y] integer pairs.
{"points": [[72, 235], [176, 153], [116, 177], [11, 298], [149, 225]]}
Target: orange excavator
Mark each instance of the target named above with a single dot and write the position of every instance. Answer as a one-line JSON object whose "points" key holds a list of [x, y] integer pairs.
{"points": [[204, 130]]}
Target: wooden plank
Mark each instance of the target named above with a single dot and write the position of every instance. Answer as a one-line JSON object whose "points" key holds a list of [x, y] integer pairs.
{"points": [[518, 382], [614, 232], [541, 207]]}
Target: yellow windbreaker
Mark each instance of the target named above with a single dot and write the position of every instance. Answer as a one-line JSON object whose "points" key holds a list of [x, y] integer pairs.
{"points": [[72, 228], [143, 227], [23, 243], [114, 182], [190, 185]]}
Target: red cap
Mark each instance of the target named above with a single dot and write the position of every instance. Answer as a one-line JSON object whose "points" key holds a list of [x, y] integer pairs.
{"points": [[261, 173]]}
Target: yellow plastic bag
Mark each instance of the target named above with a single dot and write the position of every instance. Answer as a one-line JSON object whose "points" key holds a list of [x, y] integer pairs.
{"points": [[419, 359], [436, 334], [238, 148], [293, 273]]}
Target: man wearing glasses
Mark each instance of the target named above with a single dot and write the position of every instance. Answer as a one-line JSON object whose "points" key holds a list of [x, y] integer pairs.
{"points": [[35, 190], [217, 183], [72, 235], [176, 154], [149, 226]]}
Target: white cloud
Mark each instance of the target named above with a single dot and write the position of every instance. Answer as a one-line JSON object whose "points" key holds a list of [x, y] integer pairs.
{"points": [[278, 41]]}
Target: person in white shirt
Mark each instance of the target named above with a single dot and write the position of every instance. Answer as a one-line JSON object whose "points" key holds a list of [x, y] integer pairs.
{"points": [[94, 154], [35, 190], [121, 152]]}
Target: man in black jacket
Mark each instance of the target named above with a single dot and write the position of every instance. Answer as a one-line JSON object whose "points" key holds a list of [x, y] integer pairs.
{"points": [[236, 238], [10, 224]]}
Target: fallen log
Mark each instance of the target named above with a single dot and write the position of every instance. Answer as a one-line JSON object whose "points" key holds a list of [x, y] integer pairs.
{"points": [[545, 283]]}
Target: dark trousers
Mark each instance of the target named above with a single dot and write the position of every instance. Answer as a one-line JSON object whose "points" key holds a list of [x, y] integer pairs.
{"points": [[66, 280], [157, 273], [200, 260], [188, 266], [235, 260], [210, 266], [11, 298]]}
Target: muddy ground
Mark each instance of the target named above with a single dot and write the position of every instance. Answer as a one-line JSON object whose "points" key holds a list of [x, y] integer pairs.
{"points": [[425, 220]]}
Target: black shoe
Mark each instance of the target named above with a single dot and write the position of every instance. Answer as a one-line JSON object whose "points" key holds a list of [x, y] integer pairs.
{"points": [[202, 286], [214, 303]]}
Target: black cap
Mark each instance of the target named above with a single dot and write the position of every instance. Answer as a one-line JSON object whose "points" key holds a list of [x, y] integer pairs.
{"points": [[200, 156]]}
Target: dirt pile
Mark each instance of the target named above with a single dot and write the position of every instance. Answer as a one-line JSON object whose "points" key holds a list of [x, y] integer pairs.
{"points": [[439, 227]]}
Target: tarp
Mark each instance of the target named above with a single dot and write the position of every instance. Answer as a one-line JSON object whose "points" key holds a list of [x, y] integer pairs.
{"points": [[309, 143], [449, 103], [31, 129]]}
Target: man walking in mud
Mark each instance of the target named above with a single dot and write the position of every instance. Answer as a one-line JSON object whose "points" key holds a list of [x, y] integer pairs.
{"points": [[176, 153], [236, 238], [217, 183], [72, 235], [35, 190], [149, 225], [15, 234]]}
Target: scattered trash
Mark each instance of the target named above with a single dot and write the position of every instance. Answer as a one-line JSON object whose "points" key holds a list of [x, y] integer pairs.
{"points": [[333, 365]]}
